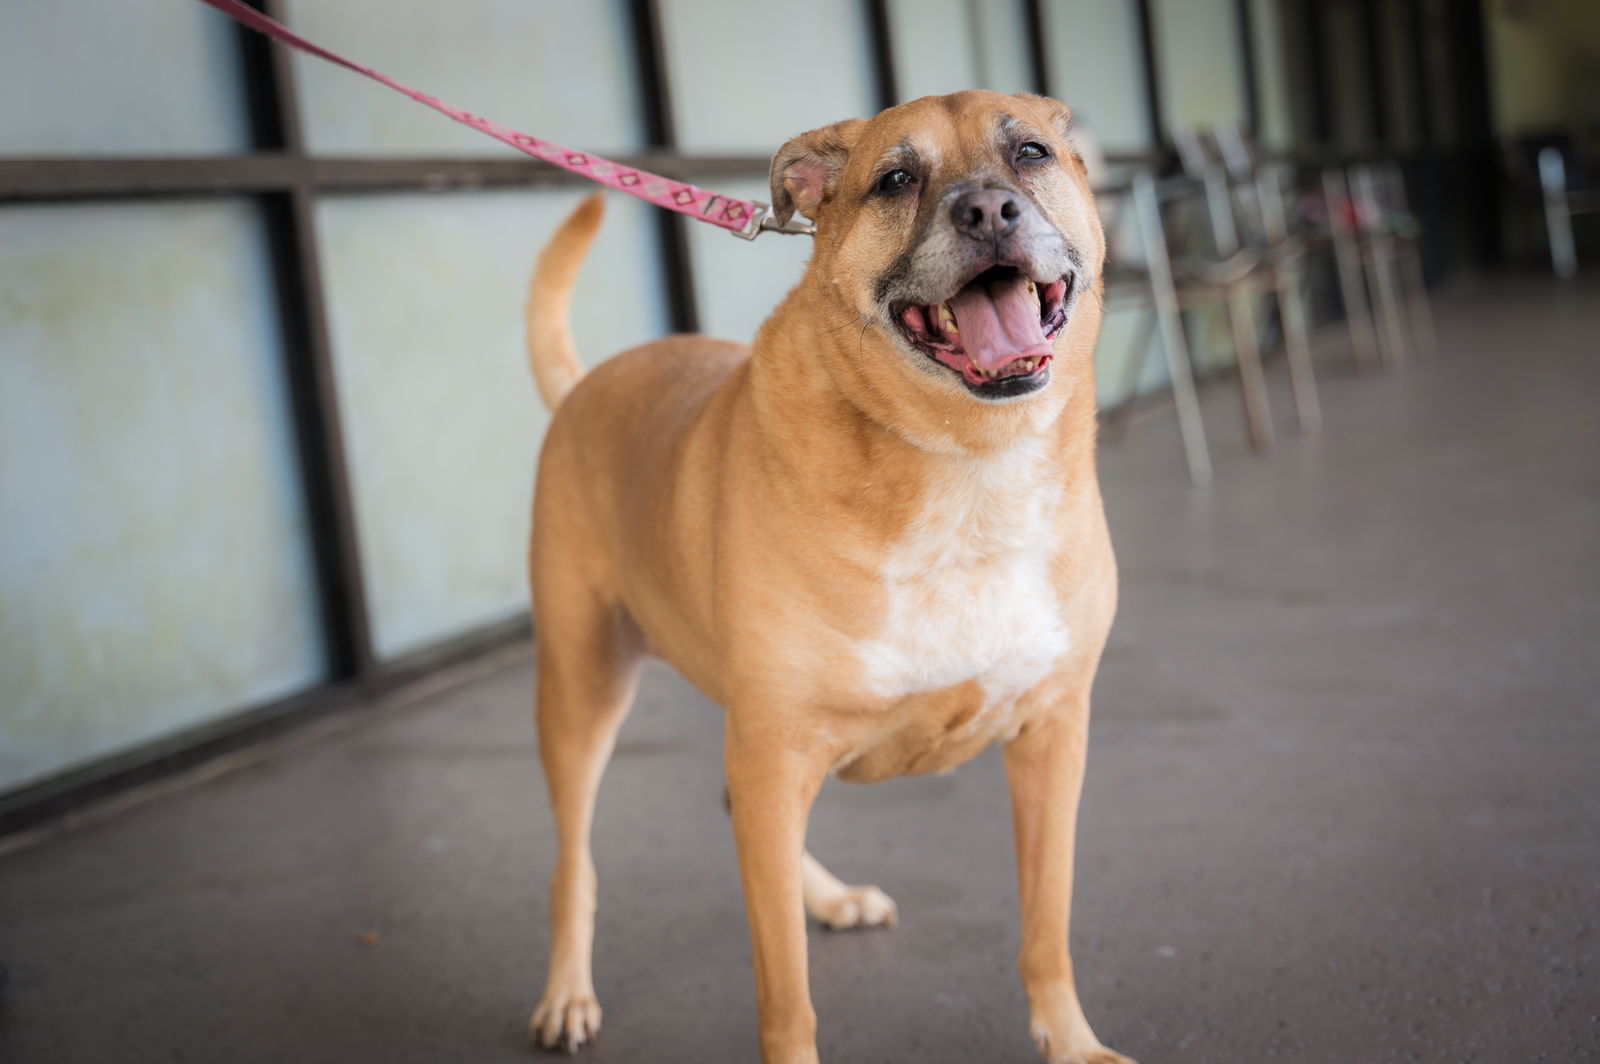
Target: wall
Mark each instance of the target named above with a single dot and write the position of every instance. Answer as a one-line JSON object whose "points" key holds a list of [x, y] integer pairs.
{"points": [[1544, 58]]}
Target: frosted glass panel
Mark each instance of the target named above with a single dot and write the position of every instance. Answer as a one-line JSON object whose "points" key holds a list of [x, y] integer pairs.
{"points": [[1272, 59], [749, 74], [1095, 67], [555, 69], [1197, 46], [1002, 36], [154, 571], [740, 282], [934, 47], [441, 419], [151, 77], [948, 45]]}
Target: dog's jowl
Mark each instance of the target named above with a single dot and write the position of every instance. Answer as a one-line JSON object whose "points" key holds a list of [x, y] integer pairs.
{"points": [[874, 537]]}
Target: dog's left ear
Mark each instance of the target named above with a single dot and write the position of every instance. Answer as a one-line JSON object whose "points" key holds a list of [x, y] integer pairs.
{"points": [[805, 170]]}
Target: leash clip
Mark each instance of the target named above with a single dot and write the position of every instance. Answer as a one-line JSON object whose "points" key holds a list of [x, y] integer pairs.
{"points": [[761, 221]]}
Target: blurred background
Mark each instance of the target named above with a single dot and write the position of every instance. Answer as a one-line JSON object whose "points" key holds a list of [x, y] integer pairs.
{"points": [[266, 435], [267, 441]]}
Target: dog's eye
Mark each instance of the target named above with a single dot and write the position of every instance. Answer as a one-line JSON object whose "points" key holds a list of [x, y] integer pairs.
{"points": [[1033, 150], [894, 181]]}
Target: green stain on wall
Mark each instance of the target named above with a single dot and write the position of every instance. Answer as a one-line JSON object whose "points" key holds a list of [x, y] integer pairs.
{"points": [[153, 568]]}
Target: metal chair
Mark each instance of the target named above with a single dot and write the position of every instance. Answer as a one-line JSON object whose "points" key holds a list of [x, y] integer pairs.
{"points": [[1150, 284], [1393, 238], [1311, 221]]}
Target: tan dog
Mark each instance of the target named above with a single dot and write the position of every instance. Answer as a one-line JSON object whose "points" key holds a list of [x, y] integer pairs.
{"points": [[875, 538]]}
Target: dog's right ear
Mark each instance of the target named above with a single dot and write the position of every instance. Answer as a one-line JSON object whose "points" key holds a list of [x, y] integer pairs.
{"points": [[806, 169]]}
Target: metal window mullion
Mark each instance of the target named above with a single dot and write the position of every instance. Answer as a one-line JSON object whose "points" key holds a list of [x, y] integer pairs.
{"points": [[1152, 79], [1038, 58], [672, 229], [880, 38], [1249, 70], [308, 360], [1316, 45], [1377, 85]]}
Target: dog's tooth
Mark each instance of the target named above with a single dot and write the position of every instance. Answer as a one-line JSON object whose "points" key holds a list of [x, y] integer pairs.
{"points": [[947, 319], [1033, 290]]}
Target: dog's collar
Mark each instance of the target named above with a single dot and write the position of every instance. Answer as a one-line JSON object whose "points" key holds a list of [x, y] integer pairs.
{"points": [[762, 221]]}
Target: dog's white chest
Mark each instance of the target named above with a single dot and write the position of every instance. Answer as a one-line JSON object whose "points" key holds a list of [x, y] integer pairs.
{"points": [[969, 588]]}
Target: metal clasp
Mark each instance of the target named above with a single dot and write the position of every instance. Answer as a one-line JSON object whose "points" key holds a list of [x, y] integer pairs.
{"points": [[761, 221]]}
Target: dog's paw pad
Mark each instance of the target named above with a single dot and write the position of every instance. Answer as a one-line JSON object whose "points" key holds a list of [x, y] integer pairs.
{"points": [[857, 907], [565, 1021]]}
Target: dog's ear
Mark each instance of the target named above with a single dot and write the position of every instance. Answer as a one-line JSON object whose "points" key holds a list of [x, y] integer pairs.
{"points": [[806, 169]]}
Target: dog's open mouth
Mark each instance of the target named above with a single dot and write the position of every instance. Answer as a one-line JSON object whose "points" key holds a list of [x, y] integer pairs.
{"points": [[996, 332]]}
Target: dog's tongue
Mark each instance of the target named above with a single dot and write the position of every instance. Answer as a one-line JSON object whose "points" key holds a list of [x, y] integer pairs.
{"points": [[999, 322]]}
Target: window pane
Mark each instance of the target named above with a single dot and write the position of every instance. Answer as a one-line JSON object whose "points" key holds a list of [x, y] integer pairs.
{"points": [[1096, 69], [1197, 47], [109, 77], [945, 46], [154, 572], [740, 282], [560, 71], [441, 418], [933, 47], [1273, 59], [1002, 36], [748, 76]]}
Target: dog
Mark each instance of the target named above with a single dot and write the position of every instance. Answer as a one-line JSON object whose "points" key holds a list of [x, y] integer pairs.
{"points": [[875, 536]]}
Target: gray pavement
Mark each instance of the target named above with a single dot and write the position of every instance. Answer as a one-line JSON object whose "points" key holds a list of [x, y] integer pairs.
{"points": [[1342, 804]]}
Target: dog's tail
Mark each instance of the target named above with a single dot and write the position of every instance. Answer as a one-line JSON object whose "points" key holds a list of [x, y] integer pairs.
{"points": [[551, 352]]}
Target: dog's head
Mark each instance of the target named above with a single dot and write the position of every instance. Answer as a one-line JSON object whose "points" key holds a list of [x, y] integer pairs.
{"points": [[959, 228]]}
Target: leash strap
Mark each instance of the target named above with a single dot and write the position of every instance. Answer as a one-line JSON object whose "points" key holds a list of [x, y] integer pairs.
{"points": [[746, 218]]}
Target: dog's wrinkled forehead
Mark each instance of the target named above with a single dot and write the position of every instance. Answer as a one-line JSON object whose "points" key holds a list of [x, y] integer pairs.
{"points": [[966, 135], [939, 143]]}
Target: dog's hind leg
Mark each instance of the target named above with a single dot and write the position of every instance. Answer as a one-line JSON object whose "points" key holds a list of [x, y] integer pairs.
{"points": [[840, 907], [588, 655]]}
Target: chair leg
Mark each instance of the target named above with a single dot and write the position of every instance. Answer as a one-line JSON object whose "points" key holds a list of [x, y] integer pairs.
{"points": [[1413, 286], [1557, 218], [1175, 349], [1252, 381], [1170, 319], [1352, 287], [1382, 275], [1297, 350]]}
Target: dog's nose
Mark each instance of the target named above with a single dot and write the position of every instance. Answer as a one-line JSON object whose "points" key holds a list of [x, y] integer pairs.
{"points": [[985, 214]]}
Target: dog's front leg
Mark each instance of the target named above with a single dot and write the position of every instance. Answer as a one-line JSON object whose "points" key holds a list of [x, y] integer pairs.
{"points": [[1045, 766], [770, 790]]}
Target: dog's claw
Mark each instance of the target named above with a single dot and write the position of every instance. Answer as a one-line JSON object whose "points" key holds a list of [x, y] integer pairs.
{"points": [[565, 1022]]}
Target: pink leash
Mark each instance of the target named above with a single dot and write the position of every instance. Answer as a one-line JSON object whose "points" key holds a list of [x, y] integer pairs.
{"points": [[746, 218]]}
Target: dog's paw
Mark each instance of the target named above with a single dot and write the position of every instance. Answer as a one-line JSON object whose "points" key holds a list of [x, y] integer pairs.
{"points": [[565, 1021], [1075, 1054], [856, 907]]}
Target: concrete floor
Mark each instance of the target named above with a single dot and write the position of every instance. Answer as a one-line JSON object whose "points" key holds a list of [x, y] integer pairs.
{"points": [[1342, 803]]}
